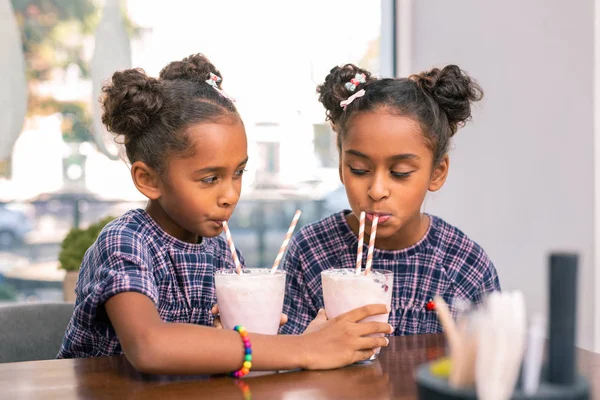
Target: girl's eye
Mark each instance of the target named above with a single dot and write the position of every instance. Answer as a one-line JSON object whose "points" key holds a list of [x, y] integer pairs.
{"points": [[359, 172], [401, 174]]}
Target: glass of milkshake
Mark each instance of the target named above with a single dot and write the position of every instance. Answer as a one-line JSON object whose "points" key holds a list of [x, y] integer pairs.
{"points": [[344, 290], [253, 299]]}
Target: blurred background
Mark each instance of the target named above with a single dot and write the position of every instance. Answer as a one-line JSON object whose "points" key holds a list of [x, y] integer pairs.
{"points": [[59, 169], [524, 177]]}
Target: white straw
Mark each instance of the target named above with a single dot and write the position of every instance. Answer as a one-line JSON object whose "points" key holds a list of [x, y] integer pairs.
{"points": [[361, 241], [236, 260], [371, 244], [284, 245]]}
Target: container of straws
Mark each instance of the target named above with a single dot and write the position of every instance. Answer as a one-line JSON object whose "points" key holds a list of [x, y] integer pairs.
{"points": [[492, 354]]}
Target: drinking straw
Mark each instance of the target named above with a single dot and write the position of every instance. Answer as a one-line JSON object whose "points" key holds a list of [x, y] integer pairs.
{"points": [[361, 241], [284, 245], [371, 244], [236, 260]]}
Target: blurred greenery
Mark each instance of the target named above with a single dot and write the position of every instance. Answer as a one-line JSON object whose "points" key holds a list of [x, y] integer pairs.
{"points": [[7, 292], [58, 35], [54, 32], [77, 120], [76, 243]]}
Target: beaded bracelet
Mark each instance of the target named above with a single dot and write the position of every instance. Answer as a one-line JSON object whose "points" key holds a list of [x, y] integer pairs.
{"points": [[245, 370]]}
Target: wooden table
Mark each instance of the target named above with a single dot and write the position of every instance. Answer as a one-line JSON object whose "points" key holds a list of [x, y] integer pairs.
{"points": [[390, 377]]}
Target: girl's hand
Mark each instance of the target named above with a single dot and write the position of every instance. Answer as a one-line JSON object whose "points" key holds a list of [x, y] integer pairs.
{"points": [[319, 322], [217, 321], [343, 340]]}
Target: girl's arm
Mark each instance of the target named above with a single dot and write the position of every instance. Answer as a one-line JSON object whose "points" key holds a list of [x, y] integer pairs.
{"points": [[154, 346]]}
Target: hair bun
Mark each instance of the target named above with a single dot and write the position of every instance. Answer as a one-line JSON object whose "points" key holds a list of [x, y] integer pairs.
{"points": [[334, 90], [193, 68], [130, 100], [453, 90]]}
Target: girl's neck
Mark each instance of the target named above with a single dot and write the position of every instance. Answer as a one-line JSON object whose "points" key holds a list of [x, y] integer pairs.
{"points": [[155, 210]]}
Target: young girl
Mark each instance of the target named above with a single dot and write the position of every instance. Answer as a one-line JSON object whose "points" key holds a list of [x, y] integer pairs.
{"points": [[146, 285], [393, 137]]}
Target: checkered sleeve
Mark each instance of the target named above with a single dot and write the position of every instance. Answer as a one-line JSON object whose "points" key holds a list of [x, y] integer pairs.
{"points": [[491, 282], [125, 273], [118, 264], [477, 276], [297, 304]]}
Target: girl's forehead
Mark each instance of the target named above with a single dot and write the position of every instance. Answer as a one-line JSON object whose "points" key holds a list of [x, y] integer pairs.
{"points": [[214, 137], [384, 133], [214, 145]]}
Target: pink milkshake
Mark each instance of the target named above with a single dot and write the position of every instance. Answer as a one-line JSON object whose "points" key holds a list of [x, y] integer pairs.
{"points": [[344, 290], [253, 299]]}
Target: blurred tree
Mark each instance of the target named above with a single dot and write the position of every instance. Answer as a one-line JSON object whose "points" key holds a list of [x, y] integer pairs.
{"points": [[7, 292], [56, 35], [77, 119], [53, 33]]}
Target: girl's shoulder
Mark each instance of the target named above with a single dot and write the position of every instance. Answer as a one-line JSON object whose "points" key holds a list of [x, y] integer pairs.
{"points": [[133, 226], [132, 235], [450, 240], [462, 257]]}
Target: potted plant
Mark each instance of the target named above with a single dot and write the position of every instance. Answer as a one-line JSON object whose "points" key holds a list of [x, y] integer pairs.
{"points": [[72, 250]]}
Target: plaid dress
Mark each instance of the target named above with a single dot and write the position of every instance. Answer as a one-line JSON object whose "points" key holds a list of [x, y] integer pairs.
{"points": [[133, 254], [445, 262]]}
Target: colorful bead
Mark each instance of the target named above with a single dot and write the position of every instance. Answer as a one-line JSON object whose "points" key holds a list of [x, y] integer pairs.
{"points": [[430, 305], [247, 363]]}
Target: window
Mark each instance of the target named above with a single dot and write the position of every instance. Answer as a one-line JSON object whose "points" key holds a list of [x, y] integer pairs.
{"points": [[272, 55]]}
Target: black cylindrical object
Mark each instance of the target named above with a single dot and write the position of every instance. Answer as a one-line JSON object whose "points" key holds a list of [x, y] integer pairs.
{"points": [[562, 311]]}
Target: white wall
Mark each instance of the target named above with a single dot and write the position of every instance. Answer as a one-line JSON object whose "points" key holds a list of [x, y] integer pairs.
{"points": [[522, 173]]}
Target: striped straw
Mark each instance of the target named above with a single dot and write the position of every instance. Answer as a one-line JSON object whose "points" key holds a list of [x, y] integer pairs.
{"points": [[371, 244], [284, 245], [361, 241], [236, 260]]}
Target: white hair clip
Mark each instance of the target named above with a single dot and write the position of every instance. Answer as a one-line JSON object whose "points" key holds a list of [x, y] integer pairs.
{"points": [[349, 100], [212, 81]]}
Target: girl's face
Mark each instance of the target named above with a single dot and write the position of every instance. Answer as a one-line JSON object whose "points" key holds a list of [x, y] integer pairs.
{"points": [[197, 193], [387, 169]]}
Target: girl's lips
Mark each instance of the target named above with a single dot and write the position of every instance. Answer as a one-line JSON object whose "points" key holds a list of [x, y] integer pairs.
{"points": [[382, 217]]}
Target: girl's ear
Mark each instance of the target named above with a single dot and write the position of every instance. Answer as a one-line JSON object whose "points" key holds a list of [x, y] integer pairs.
{"points": [[439, 174], [146, 180]]}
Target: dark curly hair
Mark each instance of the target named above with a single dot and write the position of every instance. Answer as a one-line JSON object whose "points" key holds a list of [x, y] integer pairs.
{"points": [[152, 115], [439, 99]]}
